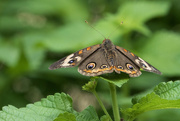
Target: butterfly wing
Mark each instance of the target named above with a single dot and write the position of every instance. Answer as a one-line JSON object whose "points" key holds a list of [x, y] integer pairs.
{"points": [[137, 60], [75, 58], [124, 64], [95, 64]]}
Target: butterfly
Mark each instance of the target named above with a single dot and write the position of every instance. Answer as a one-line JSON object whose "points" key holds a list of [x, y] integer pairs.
{"points": [[105, 58]]}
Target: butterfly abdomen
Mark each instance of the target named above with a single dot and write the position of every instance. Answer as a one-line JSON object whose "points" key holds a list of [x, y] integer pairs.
{"points": [[110, 57]]}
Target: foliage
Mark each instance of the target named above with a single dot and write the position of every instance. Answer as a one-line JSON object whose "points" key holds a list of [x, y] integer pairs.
{"points": [[58, 107], [48, 109], [160, 98], [35, 33]]}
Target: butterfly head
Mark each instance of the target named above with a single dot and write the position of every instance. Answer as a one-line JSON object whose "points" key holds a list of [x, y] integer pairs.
{"points": [[107, 43]]}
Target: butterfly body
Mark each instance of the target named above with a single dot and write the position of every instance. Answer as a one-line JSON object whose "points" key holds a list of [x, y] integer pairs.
{"points": [[105, 58]]}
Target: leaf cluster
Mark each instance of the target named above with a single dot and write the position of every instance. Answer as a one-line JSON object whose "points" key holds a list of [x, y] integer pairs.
{"points": [[58, 107]]}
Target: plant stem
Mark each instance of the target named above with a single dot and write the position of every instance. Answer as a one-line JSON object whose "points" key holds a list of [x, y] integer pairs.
{"points": [[114, 102], [101, 104]]}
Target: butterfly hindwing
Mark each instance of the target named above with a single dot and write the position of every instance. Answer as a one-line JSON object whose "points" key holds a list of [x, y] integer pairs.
{"points": [[95, 64]]}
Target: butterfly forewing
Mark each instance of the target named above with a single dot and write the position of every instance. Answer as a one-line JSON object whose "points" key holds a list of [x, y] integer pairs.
{"points": [[138, 61], [74, 59]]}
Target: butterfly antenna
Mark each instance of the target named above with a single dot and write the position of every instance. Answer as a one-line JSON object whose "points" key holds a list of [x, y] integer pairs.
{"points": [[95, 29], [115, 29]]}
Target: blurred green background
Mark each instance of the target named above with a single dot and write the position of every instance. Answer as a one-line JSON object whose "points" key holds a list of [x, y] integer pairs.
{"points": [[36, 33]]}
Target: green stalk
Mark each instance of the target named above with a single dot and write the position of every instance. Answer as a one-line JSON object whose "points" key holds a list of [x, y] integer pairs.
{"points": [[101, 104], [114, 102]]}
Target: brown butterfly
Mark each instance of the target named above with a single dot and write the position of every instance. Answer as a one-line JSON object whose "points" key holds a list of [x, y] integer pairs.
{"points": [[105, 58]]}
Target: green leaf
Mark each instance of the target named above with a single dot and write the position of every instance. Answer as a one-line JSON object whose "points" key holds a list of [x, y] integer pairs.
{"points": [[34, 49], [160, 115], [66, 117], [153, 101], [163, 52], [169, 90], [61, 8], [89, 114], [134, 14], [9, 53], [59, 39], [47, 109], [90, 86], [56, 107], [117, 79], [104, 118]]}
